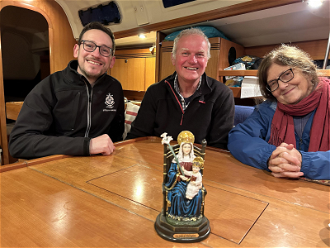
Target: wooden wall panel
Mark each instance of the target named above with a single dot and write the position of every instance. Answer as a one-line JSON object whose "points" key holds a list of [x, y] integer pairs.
{"points": [[224, 50], [150, 72], [165, 63], [316, 49], [3, 127], [212, 69], [132, 53], [136, 74], [61, 42], [130, 73], [120, 71], [134, 69], [134, 95], [159, 38]]}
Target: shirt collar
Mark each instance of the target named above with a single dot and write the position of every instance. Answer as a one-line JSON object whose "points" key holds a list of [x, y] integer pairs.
{"points": [[177, 89]]}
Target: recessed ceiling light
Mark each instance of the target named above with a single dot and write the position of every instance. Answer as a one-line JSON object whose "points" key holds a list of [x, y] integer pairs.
{"points": [[315, 3], [142, 36]]}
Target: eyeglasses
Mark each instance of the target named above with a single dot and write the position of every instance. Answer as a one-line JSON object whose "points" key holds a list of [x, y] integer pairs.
{"points": [[90, 46], [285, 77]]}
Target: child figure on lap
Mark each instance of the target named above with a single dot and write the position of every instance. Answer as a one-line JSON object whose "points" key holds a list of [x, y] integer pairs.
{"points": [[195, 183]]}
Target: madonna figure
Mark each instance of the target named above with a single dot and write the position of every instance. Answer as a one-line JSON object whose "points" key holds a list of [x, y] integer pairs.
{"points": [[182, 217], [179, 207]]}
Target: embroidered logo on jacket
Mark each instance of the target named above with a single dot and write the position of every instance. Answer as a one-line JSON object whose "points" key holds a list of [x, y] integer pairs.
{"points": [[109, 102]]}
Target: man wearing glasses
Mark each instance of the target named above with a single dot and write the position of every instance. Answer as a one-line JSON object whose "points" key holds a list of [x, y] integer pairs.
{"points": [[77, 111]]}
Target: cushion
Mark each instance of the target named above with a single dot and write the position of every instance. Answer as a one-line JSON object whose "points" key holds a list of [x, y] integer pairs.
{"points": [[241, 113], [130, 114], [207, 30]]}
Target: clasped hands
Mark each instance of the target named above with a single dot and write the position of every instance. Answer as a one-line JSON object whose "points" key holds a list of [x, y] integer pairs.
{"points": [[285, 161], [101, 145]]}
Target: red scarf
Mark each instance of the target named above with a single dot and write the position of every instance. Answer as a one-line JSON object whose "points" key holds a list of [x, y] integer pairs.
{"points": [[282, 129]]}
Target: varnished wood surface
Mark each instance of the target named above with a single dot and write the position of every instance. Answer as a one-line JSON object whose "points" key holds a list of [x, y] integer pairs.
{"points": [[150, 72], [236, 91], [61, 40], [134, 69], [3, 129], [134, 95], [113, 201], [225, 46], [315, 48], [13, 109], [132, 73]]}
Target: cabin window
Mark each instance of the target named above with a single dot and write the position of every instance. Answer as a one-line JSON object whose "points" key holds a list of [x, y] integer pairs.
{"points": [[171, 3], [104, 14]]}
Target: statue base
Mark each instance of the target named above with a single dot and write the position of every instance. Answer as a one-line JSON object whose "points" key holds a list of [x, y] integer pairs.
{"points": [[182, 233]]}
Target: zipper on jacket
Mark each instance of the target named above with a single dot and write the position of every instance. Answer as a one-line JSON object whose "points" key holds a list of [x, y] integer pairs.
{"points": [[300, 143], [75, 109], [177, 101], [89, 110], [89, 104]]}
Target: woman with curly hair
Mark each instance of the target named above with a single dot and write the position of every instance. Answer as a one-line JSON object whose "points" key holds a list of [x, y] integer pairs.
{"points": [[288, 134]]}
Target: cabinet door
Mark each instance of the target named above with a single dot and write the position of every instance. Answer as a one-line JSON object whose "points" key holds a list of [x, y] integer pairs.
{"points": [[130, 73], [165, 66], [136, 74], [150, 72], [119, 71]]}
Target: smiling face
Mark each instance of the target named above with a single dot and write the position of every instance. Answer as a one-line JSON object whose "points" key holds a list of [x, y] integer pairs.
{"points": [[195, 169], [186, 148], [293, 91], [190, 59], [92, 64]]}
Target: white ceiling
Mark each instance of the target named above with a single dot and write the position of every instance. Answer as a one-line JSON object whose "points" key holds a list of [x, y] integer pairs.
{"points": [[136, 13], [290, 23], [140, 12]]}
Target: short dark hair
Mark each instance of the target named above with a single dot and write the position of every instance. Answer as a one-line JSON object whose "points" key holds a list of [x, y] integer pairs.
{"points": [[99, 26]]}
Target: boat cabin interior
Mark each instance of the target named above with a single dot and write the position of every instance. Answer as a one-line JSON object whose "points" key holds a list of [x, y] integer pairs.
{"points": [[37, 39]]}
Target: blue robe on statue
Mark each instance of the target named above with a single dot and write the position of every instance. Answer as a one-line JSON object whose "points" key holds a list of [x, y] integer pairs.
{"points": [[180, 205]]}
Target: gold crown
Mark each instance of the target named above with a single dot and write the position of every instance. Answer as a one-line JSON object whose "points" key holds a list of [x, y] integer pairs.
{"points": [[186, 137], [198, 161]]}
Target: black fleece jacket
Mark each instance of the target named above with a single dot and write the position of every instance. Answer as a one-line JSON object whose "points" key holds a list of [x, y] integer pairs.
{"points": [[209, 115], [63, 112]]}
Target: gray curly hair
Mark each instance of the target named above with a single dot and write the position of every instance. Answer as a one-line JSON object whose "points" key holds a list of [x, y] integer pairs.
{"points": [[290, 56]]}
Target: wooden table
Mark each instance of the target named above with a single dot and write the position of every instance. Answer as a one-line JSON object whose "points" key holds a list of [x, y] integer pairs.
{"points": [[113, 201]]}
